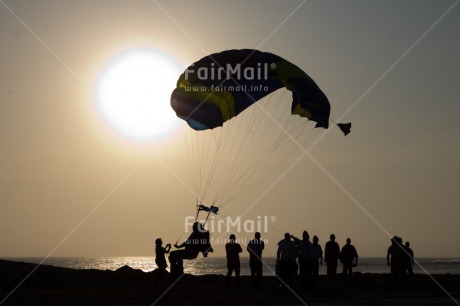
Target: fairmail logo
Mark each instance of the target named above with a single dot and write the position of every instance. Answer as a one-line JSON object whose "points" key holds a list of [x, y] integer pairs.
{"points": [[230, 72], [228, 224]]}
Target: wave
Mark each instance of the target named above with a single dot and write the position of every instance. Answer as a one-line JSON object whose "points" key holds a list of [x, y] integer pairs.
{"points": [[446, 261]]}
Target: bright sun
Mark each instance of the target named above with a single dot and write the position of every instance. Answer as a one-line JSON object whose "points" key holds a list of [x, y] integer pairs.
{"points": [[133, 91]]}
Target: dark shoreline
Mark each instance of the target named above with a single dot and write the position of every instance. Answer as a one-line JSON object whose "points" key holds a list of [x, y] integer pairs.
{"points": [[49, 285]]}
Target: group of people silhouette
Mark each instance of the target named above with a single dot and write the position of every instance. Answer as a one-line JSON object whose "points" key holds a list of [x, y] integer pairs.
{"points": [[297, 260], [400, 258], [255, 248]]}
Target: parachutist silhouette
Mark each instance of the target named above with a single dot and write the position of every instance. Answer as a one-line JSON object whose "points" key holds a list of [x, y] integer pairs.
{"points": [[197, 242]]}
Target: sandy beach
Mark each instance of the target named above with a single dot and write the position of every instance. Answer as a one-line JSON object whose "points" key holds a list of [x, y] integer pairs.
{"points": [[49, 285]]}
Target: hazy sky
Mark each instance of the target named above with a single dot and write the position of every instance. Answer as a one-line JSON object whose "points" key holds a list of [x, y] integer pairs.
{"points": [[70, 186]]}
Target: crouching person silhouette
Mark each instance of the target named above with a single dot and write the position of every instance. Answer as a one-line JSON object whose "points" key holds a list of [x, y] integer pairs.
{"points": [[197, 242]]}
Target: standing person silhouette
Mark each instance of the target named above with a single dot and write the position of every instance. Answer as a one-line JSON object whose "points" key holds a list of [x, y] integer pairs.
{"points": [[160, 259], [286, 259], [233, 250], [255, 248], [409, 258], [396, 258], [348, 255], [160, 252], [305, 259], [316, 253], [331, 256]]}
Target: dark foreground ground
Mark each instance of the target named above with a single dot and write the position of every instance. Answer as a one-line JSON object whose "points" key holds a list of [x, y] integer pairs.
{"points": [[49, 285]]}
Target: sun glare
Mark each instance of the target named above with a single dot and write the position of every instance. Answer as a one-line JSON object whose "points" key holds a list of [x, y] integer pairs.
{"points": [[132, 94]]}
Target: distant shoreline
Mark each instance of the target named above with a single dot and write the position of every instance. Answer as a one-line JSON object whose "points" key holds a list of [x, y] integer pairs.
{"points": [[217, 265]]}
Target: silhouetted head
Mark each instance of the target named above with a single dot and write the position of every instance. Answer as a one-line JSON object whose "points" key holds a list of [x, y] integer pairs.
{"points": [[315, 239], [332, 237], [158, 241], [407, 244], [197, 227], [348, 240], [305, 235], [257, 235], [232, 237], [399, 240], [287, 236]]}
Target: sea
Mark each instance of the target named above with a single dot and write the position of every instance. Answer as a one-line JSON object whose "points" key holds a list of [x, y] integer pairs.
{"points": [[217, 265]]}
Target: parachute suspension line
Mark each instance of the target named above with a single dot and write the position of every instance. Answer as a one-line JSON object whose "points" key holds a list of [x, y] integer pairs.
{"points": [[246, 142], [200, 158], [206, 220], [244, 139], [220, 153], [248, 187], [257, 125], [195, 152], [204, 149], [292, 131], [255, 166], [213, 169], [225, 140], [197, 161], [201, 162], [224, 153], [294, 148], [205, 178], [190, 154], [294, 121], [197, 212], [180, 236], [229, 159], [222, 140], [215, 161]]}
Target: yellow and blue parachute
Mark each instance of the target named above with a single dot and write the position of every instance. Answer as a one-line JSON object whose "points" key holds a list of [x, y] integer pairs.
{"points": [[222, 85]]}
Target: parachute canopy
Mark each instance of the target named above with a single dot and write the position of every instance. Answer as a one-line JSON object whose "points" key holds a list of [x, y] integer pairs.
{"points": [[222, 85]]}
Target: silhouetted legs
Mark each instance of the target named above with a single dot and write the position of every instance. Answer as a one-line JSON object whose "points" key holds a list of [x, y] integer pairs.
{"points": [[256, 272], [315, 272], [176, 260], [233, 267], [331, 270], [305, 272], [347, 269]]}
